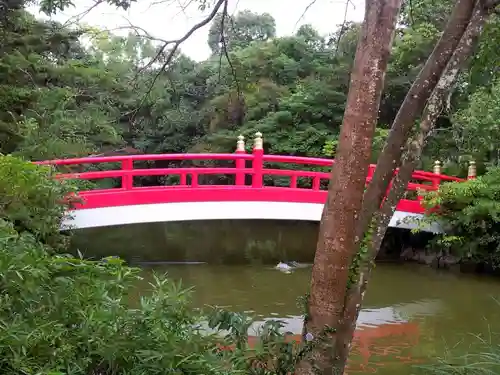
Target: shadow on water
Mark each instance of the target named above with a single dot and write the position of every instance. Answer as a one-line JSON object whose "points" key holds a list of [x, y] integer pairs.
{"points": [[213, 241]]}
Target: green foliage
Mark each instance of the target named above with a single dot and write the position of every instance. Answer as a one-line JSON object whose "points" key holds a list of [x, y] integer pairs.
{"points": [[65, 315], [470, 212], [31, 198], [53, 103], [483, 357], [476, 128], [71, 316], [61, 97], [417, 12], [330, 147], [239, 31], [272, 354]]}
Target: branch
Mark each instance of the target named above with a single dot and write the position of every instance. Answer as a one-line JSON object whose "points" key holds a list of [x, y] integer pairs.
{"points": [[140, 32], [224, 51], [342, 27], [78, 17], [435, 106], [176, 44], [337, 239], [304, 12], [380, 222]]}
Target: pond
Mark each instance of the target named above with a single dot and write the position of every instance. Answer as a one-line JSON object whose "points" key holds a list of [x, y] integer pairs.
{"points": [[411, 314]]}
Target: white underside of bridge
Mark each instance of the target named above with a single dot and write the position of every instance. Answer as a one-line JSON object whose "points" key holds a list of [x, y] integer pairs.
{"points": [[191, 211]]}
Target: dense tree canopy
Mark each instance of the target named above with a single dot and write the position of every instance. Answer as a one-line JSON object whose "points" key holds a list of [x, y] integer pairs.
{"points": [[75, 91], [61, 97]]}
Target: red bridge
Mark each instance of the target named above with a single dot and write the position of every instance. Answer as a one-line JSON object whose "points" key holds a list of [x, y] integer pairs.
{"points": [[216, 186]]}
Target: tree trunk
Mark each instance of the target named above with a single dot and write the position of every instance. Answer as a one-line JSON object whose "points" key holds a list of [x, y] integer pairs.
{"points": [[335, 248], [412, 107], [432, 111]]}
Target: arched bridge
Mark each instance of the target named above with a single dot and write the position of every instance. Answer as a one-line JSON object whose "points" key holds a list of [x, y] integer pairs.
{"points": [[182, 187]]}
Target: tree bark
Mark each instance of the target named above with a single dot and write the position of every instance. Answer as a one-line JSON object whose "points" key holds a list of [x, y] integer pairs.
{"points": [[432, 111], [335, 248], [412, 107]]}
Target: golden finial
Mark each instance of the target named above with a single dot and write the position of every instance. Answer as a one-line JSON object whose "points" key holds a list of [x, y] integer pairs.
{"points": [[258, 143]]}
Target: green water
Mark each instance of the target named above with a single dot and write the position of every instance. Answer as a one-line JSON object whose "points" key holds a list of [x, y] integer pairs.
{"points": [[411, 314]]}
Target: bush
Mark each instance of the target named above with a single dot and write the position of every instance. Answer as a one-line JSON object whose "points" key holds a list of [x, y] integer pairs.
{"points": [[61, 315], [470, 212], [64, 315], [32, 199], [71, 316]]}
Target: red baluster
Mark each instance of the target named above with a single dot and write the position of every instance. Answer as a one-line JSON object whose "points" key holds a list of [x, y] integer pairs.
{"points": [[257, 163], [371, 170], [316, 183], [194, 179], [127, 179]]}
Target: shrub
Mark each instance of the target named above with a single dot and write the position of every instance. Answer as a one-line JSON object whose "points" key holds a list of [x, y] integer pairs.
{"points": [[64, 315], [32, 199], [470, 212], [71, 316], [61, 315]]}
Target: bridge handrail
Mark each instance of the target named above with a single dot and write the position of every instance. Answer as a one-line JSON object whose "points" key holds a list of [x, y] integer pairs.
{"points": [[240, 170], [225, 157], [321, 162], [145, 157], [116, 173]]}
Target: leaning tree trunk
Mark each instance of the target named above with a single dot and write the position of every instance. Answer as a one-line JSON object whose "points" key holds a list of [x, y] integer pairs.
{"points": [[335, 248], [432, 110], [412, 107], [431, 113]]}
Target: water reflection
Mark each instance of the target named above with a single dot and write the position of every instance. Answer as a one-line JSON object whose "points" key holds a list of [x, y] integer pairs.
{"points": [[411, 314]]}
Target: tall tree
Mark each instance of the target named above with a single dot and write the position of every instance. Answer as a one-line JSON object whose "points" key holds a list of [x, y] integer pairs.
{"points": [[228, 32], [333, 302], [337, 236]]}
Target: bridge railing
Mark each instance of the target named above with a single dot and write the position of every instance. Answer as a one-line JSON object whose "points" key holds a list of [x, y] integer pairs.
{"points": [[240, 165]]}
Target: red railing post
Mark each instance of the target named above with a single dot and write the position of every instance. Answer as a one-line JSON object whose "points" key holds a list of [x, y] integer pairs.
{"points": [[127, 179], [194, 179], [371, 170], [240, 163], [471, 171], [257, 163]]}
